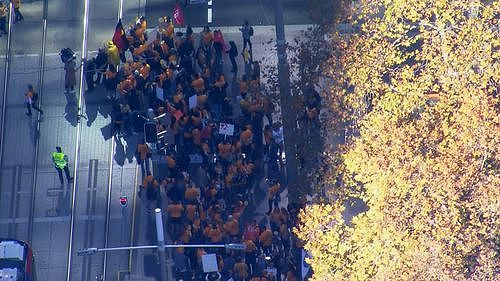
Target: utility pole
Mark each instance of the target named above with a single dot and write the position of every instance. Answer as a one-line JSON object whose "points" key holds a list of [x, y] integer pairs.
{"points": [[287, 106], [161, 245]]}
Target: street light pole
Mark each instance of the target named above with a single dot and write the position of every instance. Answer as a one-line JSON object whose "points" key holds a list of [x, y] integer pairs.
{"points": [[161, 244]]}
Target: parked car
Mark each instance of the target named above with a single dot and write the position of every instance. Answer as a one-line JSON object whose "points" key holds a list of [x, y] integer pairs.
{"points": [[17, 262]]}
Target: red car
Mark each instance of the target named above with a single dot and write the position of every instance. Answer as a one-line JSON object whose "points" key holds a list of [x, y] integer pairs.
{"points": [[16, 261]]}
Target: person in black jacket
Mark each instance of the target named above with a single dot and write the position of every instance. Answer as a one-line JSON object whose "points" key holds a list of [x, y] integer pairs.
{"points": [[89, 68], [233, 53], [100, 64]]}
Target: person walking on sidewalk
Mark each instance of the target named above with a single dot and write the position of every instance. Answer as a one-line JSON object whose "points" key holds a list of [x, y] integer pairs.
{"points": [[61, 163], [3, 18], [31, 98], [17, 6], [70, 76], [143, 154], [246, 32]]}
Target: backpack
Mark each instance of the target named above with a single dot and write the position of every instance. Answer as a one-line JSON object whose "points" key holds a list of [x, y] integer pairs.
{"points": [[250, 32], [67, 55]]}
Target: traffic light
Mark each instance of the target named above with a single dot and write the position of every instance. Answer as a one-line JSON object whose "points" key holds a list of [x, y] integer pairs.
{"points": [[123, 201]]}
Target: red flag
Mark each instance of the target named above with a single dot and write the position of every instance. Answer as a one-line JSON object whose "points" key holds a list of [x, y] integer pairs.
{"points": [[119, 38], [178, 14]]}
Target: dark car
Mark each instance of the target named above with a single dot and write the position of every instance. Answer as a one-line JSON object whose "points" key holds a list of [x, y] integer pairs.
{"points": [[16, 261]]}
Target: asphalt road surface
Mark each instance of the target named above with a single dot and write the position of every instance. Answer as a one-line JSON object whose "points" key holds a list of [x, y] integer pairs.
{"points": [[232, 12]]}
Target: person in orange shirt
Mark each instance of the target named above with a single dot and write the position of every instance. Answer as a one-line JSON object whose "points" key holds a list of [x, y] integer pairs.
{"points": [[191, 194], [246, 137], [151, 187], [273, 196], [232, 227], [198, 84], [17, 6], [175, 211], [186, 234], [225, 151], [191, 212], [31, 98], [215, 234], [266, 240], [291, 276], [142, 155], [206, 36], [241, 270]]}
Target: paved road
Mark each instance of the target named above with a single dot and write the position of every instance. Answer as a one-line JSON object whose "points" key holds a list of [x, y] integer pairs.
{"points": [[232, 12], [104, 170], [50, 232]]}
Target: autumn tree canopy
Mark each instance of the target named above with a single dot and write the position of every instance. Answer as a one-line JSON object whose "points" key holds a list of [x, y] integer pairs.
{"points": [[420, 80]]}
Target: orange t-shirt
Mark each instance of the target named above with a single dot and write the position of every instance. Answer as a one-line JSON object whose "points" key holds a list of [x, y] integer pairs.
{"points": [[191, 193], [175, 210], [170, 162], [215, 235], [232, 227], [207, 37], [249, 246], [273, 190], [198, 85], [190, 211], [143, 150], [266, 238], [149, 179], [246, 137]]}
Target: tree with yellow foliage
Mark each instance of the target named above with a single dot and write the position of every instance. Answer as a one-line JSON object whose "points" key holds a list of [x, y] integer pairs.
{"points": [[420, 78]]}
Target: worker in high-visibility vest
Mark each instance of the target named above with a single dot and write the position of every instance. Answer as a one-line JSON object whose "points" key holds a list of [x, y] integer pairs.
{"points": [[61, 163]]}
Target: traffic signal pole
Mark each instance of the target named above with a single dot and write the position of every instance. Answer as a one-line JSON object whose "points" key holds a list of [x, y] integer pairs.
{"points": [[166, 273], [161, 245]]}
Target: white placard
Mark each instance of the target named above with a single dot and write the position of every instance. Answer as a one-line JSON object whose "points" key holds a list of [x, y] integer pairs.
{"points": [[159, 93], [209, 262], [152, 36], [226, 129], [195, 159], [193, 101]]}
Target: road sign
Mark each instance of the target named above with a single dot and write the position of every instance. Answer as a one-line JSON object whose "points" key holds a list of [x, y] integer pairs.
{"points": [[123, 201]]}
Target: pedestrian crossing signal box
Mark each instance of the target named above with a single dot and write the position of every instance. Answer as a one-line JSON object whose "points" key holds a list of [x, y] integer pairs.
{"points": [[123, 201]]}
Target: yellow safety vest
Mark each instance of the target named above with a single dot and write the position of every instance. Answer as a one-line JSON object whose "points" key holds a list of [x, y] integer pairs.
{"points": [[59, 159]]}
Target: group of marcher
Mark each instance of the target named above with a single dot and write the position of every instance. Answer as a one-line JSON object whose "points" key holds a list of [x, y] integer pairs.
{"points": [[4, 12], [177, 80]]}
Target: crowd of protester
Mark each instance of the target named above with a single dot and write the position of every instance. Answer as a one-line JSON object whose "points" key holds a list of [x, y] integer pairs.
{"points": [[176, 80]]}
